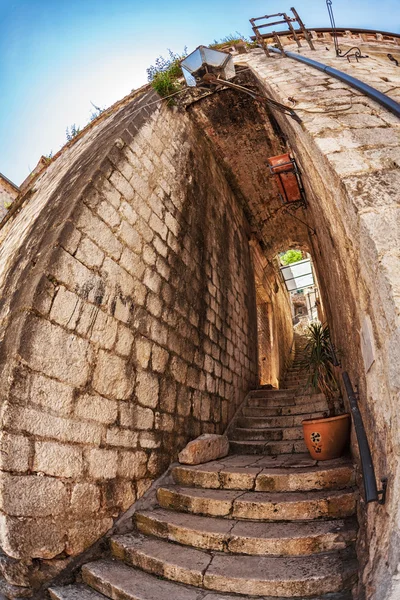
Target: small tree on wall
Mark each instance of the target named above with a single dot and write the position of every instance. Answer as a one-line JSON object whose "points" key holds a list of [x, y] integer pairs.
{"points": [[291, 256]]}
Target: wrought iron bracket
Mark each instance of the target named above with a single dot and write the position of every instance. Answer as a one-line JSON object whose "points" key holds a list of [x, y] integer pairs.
{"points": [[210, 78], [357, 54], [393, 59], [339, 52], [383, 491]]}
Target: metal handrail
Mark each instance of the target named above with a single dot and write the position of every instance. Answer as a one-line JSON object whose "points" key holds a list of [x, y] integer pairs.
{"points": [[372, 494]]}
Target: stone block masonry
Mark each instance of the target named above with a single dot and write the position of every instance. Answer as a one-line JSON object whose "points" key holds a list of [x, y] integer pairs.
{"points": [[128, 328]]}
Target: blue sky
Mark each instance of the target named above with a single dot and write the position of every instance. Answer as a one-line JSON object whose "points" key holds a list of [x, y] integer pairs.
{"points": [[57, 56]]}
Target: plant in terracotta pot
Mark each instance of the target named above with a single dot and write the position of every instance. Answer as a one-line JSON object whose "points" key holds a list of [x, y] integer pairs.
{"points": [[327, 437]]}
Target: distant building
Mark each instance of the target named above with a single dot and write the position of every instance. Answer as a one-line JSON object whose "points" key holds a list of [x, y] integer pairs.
{"points": [[43, 162], [8, 193]]}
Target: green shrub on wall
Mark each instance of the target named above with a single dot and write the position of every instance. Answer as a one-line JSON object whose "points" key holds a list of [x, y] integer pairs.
{"points": [[164, 75]]}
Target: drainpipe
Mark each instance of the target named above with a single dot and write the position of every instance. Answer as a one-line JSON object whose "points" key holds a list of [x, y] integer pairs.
{"points": [[380, 97]]}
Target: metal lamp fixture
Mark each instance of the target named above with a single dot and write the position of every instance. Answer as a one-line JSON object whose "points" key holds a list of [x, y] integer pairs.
{"points": [[206, 60], [206, 66]]}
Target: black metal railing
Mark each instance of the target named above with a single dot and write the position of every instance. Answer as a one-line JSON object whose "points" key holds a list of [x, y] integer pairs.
{"points": [[372, 494]]}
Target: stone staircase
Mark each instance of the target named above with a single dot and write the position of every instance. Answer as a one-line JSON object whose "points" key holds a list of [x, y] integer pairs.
{"points": [[265, 522]]}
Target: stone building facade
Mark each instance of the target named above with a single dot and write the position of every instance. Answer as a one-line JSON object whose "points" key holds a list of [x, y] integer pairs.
{"points": [[131, 280], [8, 193]]}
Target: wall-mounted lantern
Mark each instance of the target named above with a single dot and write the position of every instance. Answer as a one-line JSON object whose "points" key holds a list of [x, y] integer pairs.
{"points": [[206, 60], [288, 179], [206, 66]]}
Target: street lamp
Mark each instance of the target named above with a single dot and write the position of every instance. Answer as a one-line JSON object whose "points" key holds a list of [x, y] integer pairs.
{"points": [[206, 60], [206, 66]]}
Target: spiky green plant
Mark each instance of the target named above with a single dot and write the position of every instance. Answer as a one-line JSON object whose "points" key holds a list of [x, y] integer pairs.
{"points": [[318, 361], [165, 74], [165, 85]]}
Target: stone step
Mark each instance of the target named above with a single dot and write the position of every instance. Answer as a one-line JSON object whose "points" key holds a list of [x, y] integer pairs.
{"points": [[121, 582], [268, 394], [260, 422], [256, 506], [296, 384], [75, 592], [287, 399], [253, 474], [255, 575], [267, 448], [254, 538], [268, 434], [276, 411]]}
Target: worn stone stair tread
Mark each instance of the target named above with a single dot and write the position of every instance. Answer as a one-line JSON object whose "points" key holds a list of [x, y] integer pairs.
{"points": [[118, 580], [279, 506], [243, 574], [346, 595], [75, 592], [268, 433], [283, 411], [250, 475], [127, 583], [254, 538], [281, 576], [282, 394], [254, 422], [267, 447], [288, 399]]}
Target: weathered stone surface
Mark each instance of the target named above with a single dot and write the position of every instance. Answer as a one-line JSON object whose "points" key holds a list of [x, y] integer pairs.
{"points": [[85, 495], [132, 465], [14, 452], [52, 394], [147, 388], [247, 575], [58, 459], [260, 505], [246, 538], [32, 496], [96, 408], [256, 477], [15, 572], [68, 357], [46, 425], [102, 463], [111, 377], [74, 592], [187, 565], [26, 538], [205, 448], [122, 581], [84, 533], [279, 576]]}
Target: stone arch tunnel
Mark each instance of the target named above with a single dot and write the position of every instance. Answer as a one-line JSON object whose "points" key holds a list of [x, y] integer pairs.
{"points": [[131, 272]]}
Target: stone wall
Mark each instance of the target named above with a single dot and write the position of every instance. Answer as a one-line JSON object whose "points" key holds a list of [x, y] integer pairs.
{"points": [[348, 150], [128, 328], [274, 320]]}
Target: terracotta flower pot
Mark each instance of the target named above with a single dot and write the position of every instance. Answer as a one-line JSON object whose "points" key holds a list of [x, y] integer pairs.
{"points": [[327, 438]]}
